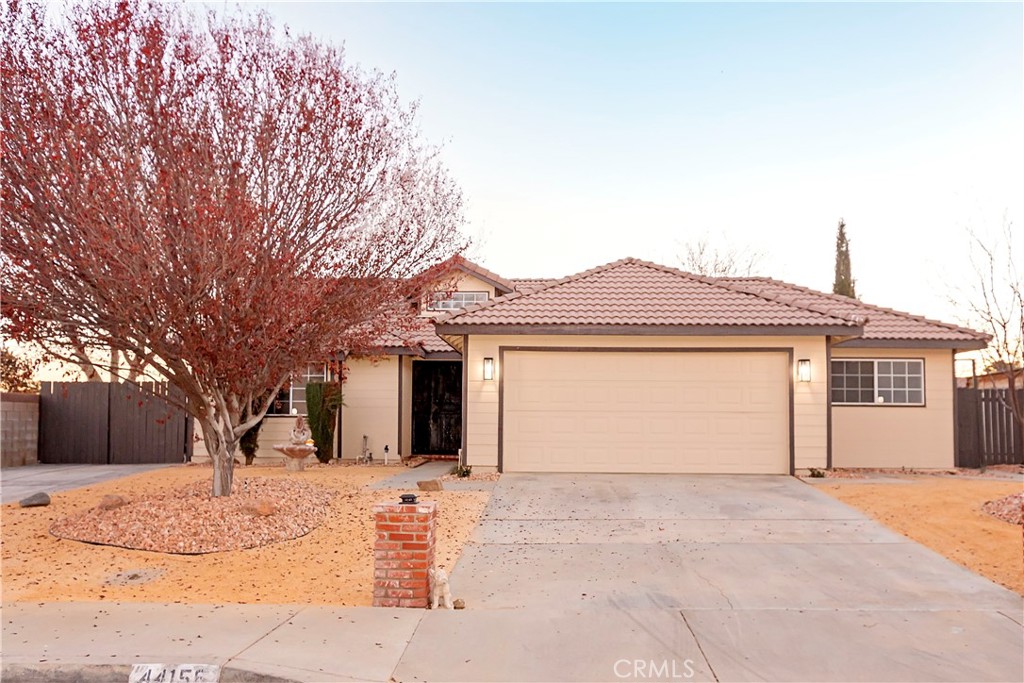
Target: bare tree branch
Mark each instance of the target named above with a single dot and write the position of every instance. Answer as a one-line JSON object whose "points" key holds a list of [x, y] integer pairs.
{"points": [[702, 258]]}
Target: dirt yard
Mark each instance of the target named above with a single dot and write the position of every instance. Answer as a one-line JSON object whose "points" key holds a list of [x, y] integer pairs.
{"points": [[331, 565], [945, 514]]}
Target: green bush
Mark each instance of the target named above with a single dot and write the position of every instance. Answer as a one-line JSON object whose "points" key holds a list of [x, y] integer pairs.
{"points": [[322, 402]]}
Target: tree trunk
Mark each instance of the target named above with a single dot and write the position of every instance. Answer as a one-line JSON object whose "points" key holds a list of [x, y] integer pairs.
{"points": [[220, 444], [223, 475], [87, 366]]}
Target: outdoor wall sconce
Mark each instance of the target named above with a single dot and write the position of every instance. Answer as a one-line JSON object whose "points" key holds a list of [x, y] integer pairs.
{"points": [[488, 368], [803, 369]]}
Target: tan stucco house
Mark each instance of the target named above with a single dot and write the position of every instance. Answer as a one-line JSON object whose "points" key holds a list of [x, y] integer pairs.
{"points": [[637, 367]]}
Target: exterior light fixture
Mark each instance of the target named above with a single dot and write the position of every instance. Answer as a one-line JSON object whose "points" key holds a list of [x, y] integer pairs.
{"points": [[488, 368], [803, 369]]}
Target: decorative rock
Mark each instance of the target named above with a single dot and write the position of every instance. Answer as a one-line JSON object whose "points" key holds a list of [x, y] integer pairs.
{"points": [[263, 508], [459, 603], [430, 485], [112, 502], [35, 500]]}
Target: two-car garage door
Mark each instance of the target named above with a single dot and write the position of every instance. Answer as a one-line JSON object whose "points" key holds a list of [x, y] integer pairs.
{"points": [[642, 411]]}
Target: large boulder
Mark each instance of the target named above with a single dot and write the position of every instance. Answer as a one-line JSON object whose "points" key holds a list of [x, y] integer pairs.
{"points": [[430, 485], [35, 500]]}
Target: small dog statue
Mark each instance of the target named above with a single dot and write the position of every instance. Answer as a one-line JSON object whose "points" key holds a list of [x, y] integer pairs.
{"points": [[440, 591]]}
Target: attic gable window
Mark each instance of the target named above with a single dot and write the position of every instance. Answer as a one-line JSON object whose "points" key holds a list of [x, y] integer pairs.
{"points": [[456, 300], [883, 381]]}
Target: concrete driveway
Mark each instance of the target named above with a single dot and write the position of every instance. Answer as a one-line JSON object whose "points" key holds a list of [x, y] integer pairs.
{"points": [[18, 482], [642, 577]]}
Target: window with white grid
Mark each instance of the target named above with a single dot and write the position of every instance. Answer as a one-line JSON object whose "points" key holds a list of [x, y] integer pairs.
{"points": [[889, 381], [291, 400], [456, 300]]}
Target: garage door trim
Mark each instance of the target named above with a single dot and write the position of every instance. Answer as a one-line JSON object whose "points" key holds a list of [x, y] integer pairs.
{"points": [[788, 350]]}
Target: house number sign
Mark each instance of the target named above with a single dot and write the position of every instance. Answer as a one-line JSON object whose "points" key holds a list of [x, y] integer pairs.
{"points": [[174, 673]]}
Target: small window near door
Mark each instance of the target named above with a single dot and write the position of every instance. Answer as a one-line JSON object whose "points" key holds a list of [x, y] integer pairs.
{"points": [[889, 381]]}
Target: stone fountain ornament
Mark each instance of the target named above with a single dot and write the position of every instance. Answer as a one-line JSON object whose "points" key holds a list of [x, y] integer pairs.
{"points": [[299, 449]]}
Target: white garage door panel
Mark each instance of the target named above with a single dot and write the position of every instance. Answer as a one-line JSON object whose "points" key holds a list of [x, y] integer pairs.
{"points": [[646, 412]]}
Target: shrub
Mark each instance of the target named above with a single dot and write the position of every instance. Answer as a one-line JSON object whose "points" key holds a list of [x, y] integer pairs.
{"points": [[322, 402]]}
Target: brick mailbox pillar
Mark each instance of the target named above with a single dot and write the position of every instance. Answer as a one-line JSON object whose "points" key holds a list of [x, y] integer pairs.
{"points": [[402, 554]]}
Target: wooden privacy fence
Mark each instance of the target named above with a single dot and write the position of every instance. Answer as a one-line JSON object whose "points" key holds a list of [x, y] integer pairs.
{"points": [[103, 423], [987, 433]]}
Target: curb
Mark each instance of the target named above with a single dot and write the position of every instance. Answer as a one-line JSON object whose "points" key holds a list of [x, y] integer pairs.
{"points": [[106, 673]]}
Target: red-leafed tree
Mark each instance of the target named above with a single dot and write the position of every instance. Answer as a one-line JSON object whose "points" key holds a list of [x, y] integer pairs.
{"points": [[211, 198]]}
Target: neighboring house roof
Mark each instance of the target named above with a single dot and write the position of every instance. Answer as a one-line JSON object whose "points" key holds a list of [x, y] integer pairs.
{"points": [[633, 296], [994, 379], [883, 326]]}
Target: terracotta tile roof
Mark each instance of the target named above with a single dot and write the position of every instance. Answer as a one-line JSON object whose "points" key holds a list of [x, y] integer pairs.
{"points": [[634, 293], [528, 284], [421, 339], [882, 323]]}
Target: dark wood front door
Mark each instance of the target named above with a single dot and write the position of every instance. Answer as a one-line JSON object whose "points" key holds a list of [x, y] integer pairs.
{"points": [[436, 407]]}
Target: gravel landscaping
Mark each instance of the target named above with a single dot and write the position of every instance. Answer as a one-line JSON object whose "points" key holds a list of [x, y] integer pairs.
{"points": [[332, 564], [1008, 508], [189, 521], [991, 472], [483, 476]]}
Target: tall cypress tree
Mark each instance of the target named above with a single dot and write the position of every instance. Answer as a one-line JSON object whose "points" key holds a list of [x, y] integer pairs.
{"points": [[844, 283]]}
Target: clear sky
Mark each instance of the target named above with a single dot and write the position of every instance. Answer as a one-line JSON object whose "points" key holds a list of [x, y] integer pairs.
{"points": [[584, 133]]}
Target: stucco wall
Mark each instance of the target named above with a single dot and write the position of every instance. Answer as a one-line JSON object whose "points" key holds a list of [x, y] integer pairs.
{"points": [[899, 436], [810, 400], [371, 407], [19, 429], [468, 283]]}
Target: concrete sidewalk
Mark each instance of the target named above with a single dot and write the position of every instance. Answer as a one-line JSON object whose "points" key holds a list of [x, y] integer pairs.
{"points": [[18, 482], [101, 641]]}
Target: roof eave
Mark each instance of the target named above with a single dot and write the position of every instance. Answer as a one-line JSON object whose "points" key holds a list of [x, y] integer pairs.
{"points": [[442, 355], [414, 350], [453, 340], [446, 329], [957, 344]]}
